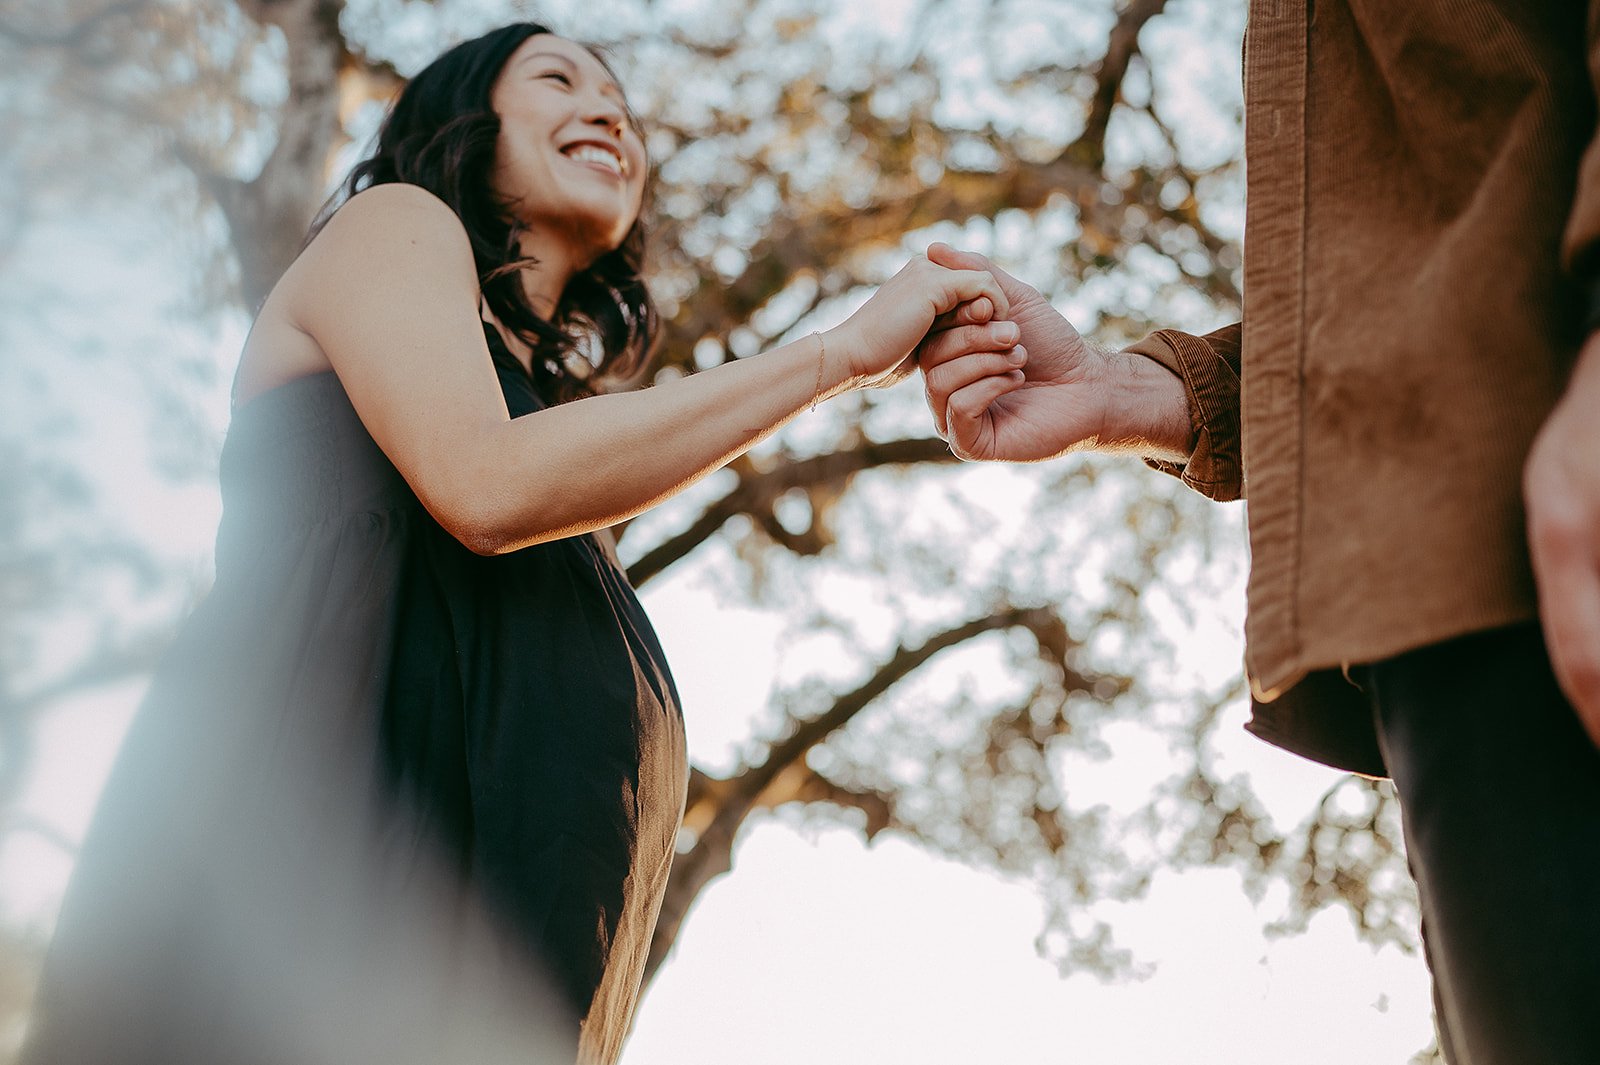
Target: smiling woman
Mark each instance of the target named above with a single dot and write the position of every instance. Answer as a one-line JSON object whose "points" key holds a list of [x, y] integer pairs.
{"points": [[407, 786]]}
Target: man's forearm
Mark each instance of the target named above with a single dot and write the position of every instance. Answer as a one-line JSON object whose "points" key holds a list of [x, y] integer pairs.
{"points": [[1143, 392]]}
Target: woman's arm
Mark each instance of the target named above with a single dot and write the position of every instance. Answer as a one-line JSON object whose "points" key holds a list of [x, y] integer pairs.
{"points": [[389, 292]]}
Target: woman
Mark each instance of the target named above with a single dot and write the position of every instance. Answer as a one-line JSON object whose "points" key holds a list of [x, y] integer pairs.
{"points": [[420, 745]]}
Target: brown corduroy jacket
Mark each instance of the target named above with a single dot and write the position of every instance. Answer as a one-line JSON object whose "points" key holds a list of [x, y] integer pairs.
{"points": [[1423, 200]]}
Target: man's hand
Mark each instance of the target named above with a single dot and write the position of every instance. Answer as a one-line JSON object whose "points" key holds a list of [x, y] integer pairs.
{"points": [[1065, 396], [1561, 485]]}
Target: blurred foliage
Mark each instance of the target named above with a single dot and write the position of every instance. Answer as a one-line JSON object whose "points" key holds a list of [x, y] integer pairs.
{"points": [[804, 149]]}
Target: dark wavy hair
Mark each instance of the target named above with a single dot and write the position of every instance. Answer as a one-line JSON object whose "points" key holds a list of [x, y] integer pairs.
{"points": [[441, 135]]}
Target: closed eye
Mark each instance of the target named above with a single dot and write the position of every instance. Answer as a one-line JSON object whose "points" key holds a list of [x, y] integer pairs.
{"points": [[558, 76]]}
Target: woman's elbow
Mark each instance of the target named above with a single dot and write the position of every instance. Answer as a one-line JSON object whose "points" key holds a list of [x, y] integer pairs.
{"points": [[497, 524], [484, 542], [477, 523]]}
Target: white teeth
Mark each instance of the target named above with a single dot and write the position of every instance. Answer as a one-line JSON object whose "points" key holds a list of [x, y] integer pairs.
{"points": [[593, 153]]}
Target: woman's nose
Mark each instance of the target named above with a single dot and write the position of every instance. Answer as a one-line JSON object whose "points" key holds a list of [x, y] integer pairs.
{"points": [[606, 112]]}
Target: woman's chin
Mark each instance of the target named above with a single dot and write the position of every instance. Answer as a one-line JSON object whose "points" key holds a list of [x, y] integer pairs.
{"points": [[599, 249], [591, 236]]}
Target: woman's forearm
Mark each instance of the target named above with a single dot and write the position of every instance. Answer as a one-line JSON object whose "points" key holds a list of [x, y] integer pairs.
{"points": [[589, 464]]}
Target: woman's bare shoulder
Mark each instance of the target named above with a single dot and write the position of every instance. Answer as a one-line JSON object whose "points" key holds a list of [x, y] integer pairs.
{"points": [[384, 241], [374, 246], [384, 215]]}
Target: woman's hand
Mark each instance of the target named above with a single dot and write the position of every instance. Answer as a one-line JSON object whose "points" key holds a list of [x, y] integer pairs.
{"points": [[878, 341]]}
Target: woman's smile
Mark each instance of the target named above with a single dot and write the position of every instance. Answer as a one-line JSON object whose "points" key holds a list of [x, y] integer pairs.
{"points": [[597, 155]]}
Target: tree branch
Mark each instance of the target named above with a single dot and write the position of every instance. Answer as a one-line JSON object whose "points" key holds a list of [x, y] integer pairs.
{"points": [[813, 787], [718, 807], [758, 491], [812, 236], [1043, 621], [135, 655], [267, 217], [75, 35], [1219, 250], [363, 80], [1121, 46], [32, 825]]}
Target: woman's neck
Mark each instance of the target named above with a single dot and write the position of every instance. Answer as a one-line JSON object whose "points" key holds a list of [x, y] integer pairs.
{"points": [[552, 266], [543, 281]]}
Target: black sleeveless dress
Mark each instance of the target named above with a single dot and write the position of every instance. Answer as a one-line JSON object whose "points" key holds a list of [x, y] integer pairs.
{"points": [[387, 800]]}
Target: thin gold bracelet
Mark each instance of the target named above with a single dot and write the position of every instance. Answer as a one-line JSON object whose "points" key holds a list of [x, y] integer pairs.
{"points": [[822, 358]]}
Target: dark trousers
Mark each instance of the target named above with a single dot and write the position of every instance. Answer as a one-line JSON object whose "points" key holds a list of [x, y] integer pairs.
{"points": [[1500, 793]]}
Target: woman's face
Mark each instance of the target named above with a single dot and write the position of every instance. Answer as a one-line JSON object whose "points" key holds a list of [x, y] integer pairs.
{"points": [[568, 160]]}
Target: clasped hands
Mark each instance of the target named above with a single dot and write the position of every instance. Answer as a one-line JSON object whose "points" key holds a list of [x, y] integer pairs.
{"points": [[1027, 387]]}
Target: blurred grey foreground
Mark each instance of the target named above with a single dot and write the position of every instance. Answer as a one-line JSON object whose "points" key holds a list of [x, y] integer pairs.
{"points": [[251, 891]]}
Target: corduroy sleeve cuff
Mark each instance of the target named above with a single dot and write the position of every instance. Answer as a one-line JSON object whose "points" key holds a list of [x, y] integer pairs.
{"points": [[1209, 368]]}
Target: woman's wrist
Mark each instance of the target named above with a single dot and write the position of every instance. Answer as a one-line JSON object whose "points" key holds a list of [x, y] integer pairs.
{"points": [[822, 368], [833, 372]]}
